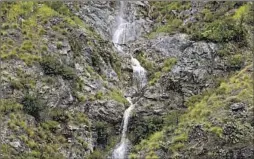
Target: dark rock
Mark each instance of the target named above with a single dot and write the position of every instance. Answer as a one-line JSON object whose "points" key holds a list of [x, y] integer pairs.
{"points": [[237, 107]]}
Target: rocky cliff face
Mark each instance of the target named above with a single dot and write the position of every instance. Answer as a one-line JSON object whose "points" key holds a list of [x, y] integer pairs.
{"points": [[63, 82]]}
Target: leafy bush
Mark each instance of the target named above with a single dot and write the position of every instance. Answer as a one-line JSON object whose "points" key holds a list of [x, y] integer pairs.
{"points": [[99, 95], [59, 115], [148, 65], [50, 125], [177, 146], [68, 73], [180, 138], [96, 155], [16, 84], [242, 12], [208, 16], [59, 45], [81, 118], [9, 105], [236, 61], [133, 156], [145, 127], [52, 66], [75, 44], [102, 132], [221, 31], [155, 78], [217, 130], [168, 64], [5, 26], [27, 45], [118, 96], [32, 105], [172, 118]]}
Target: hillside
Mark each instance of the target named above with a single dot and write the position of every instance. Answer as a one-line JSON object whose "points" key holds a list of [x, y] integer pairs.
{"points": [[70, 70]]}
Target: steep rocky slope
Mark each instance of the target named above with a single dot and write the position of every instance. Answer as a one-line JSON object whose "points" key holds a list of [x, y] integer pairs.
{"points": [[63, 82], [56, 75]]}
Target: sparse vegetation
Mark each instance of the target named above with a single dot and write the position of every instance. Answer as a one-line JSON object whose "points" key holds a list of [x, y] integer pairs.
{"points": [[8, 106], [155, 78], [117, 96], [168, 64]]}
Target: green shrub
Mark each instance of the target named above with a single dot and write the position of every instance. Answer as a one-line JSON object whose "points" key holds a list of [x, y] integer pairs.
{"points": [[170, 27], [27, 45], [59, 115], [102, 131], [76, 45], [31, 144], [9, 105], [50, 125], [3, 33], [32, 105], [133, 156], [117, 96], [5, 26], [68, 73], [99, 95], [44, 48], [148, 65], [96, 155], [177, 146], [10, 41], [172, 118], [236, 61], [155, 78], [180, 138], [217, 130], [193, 100], [221, 31], [168, 64], [52, 66], [81, 118], [208, 16], [59, 45], [16, 84], [144, 127], [242, 12]]}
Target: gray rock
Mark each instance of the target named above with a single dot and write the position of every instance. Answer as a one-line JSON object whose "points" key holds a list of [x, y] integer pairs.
{"points": [[15, 144], [237, 107], [106, 110]]}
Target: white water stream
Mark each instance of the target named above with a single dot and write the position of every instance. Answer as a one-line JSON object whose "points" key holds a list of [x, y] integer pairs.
{"points": [[119, 36], [121, 150], [139, 76]]}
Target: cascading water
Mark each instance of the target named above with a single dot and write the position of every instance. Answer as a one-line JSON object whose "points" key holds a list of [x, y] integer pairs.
{"points": [[122, 25], [120, 151], [139, 76], [139, 73]]}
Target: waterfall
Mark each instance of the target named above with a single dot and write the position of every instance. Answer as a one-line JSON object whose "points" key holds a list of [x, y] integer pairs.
{"points": [[139, 78], [119, 36], [121, 150], [139, 74]]}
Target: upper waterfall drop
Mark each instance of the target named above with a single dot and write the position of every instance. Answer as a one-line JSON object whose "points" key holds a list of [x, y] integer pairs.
{"points": [[119, 36]]}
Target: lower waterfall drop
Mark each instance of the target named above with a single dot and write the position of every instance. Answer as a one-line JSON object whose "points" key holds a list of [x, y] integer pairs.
{"points": [[120, 151]]}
